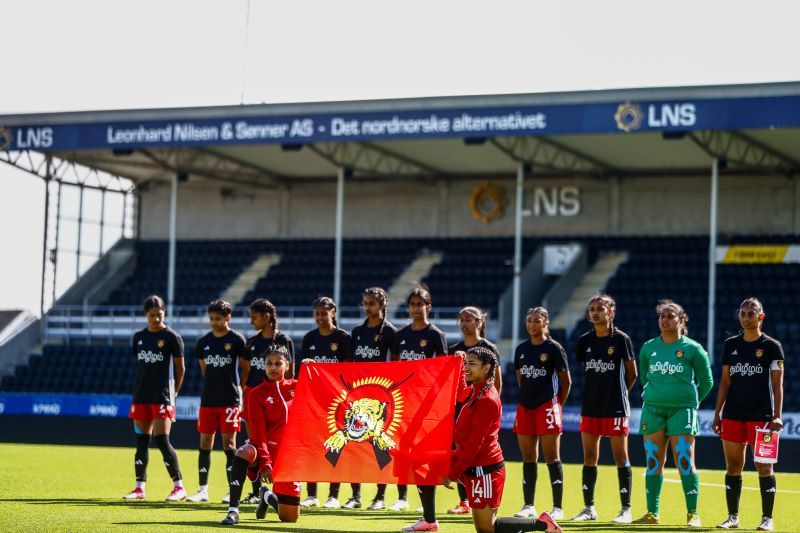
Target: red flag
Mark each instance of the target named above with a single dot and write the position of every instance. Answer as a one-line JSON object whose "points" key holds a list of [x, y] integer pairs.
{"points": [[372, 423]]}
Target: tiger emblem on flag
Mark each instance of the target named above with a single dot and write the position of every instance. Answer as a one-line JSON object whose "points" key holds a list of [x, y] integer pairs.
{"points": [[364, 420]]}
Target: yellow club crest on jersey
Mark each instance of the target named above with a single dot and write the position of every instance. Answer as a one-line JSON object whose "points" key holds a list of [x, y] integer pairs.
{"points": [[228, 346], [423, 343], [679, 354], [760, 353], [543, 357], [334, 346], [161, 343], [610, 350]]}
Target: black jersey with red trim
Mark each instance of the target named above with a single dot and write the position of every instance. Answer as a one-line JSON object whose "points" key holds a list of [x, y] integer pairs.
{"points": [[483, 343], [257, 349], [410, 344], [371, 344], [605, 387], [538, 365], [749, 366], [221, 379], [337, 347], [154, 380]]}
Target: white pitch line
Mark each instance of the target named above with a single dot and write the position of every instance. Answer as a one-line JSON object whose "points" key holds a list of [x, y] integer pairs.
{"points": [[719, 486]]}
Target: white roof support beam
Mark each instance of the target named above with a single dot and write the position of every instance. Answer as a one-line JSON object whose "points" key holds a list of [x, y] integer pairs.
{"points": [[744, 151], [545, 154], [372, 160]]}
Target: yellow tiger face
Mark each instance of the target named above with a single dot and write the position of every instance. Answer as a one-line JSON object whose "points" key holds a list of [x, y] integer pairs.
{"points": [[364, 419]]}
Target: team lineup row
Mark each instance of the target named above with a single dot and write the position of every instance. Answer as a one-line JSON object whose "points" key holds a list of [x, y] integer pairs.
{"points": [[674, 370]]}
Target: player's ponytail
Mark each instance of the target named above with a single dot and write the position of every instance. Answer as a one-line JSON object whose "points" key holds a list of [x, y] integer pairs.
{"points": [[607, 301], [153, 302], [486, 356], [479, 315], [265, 307], [327, 303], [683, 317], [382, 298]]}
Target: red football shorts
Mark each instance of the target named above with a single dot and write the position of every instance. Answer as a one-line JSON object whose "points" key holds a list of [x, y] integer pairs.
{"points": [[146, 412], [605, 427], [543, 420], [288, 491], [486, 489], [739, 431], [224, 418]]}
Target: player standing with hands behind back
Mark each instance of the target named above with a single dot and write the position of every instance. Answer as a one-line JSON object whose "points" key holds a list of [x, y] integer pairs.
{"points": [[750, 396], [606, 354], [544, 383], [676, 376]]}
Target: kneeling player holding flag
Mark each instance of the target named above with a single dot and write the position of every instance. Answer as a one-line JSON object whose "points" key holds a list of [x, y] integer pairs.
{"points": [[477, 461], [268, 409]]}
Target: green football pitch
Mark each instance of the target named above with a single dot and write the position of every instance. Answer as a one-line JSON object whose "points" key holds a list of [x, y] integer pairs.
{"points": [[73, 488]]}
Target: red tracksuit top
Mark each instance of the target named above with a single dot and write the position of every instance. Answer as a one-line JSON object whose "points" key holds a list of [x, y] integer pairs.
{"points": [[477, 427], [267, 413]]}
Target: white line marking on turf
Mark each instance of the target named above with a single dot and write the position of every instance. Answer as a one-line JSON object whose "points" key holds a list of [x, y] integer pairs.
{"points": [[719, 486]]}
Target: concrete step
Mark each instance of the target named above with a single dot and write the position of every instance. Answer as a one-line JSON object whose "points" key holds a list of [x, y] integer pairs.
{"points": [[249, 277], [595, 280], [416, 271]]}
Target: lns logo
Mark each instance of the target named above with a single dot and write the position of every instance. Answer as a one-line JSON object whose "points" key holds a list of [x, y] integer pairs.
{"points": [[34, 138], [629, 116]]}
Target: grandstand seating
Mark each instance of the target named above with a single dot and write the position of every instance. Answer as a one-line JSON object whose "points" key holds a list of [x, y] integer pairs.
{"points": [[473, 271]]}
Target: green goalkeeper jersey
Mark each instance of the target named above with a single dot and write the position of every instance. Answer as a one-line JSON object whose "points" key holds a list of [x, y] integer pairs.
{"points": [[674, 375]]}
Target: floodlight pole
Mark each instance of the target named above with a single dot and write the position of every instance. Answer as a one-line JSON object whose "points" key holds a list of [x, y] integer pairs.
{"points": [[517, 288], [48, 178], [712, 259], [173, 217], [337, 261]]}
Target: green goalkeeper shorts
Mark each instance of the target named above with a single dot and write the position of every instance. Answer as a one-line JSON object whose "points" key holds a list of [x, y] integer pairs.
{"points": [[675, 420]]}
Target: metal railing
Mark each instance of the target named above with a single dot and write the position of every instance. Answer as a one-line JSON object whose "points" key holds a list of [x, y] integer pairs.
{"points": [[115, 324]]}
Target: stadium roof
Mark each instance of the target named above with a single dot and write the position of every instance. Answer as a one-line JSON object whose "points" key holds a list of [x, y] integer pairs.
{"points": [[641, 132]]}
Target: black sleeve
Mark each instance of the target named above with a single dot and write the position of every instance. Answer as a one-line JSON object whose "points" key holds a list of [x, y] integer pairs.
{"points": [[627, 354], [726, 352], [304, 347], [517, 353], [442, 348], [177, 340], [347, 342], [290, 346], [561, 363], [580, 350], [241, 347], [133, 346]]}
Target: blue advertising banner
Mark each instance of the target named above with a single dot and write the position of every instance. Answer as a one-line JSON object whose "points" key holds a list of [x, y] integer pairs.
{"points": [[615, 117], [114, 405]]}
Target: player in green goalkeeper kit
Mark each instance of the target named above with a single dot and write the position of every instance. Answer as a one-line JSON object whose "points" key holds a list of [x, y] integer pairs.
{"points": [[676, 375]]}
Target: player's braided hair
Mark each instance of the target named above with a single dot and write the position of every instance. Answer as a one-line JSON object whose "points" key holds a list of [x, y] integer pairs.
{"points": [[382, 298], [265, 307], [678, 308], [542, 312], [478, 314], [487, 357], [607, 301], [220, 306], [280, 350], [153, 302], [326, 302]]}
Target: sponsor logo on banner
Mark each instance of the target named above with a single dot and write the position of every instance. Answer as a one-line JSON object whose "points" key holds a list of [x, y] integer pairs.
{"points": [[630, 116], [110, 410], [753, 254], [5, 138]]}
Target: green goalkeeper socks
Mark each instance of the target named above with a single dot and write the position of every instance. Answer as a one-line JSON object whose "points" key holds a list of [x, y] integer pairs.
{"points": [[652, 486], [691, 490]]}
